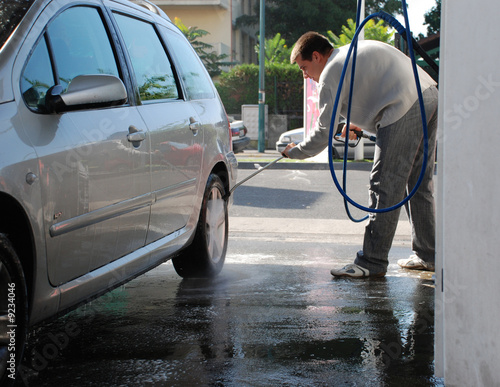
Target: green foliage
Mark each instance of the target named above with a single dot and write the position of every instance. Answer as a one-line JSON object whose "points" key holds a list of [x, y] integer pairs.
{"points": [[433, 19], [373, 31], [283, 81], [292, 18], [392, 7], [212, 61], [284, 87], [157, 87], [193, 34], [238, 87], [378, 31], [275, 50]]}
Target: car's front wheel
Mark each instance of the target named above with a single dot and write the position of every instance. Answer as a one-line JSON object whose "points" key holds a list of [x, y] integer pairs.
{"points": [[206, 254], [13, 312]]}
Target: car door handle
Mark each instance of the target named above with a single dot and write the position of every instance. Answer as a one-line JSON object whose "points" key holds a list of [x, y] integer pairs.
{"points": [[135, 136], [194, 126]]}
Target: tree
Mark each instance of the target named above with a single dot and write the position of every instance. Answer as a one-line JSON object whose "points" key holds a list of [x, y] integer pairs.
{"points": [[212, 61], [292, 18], [11, 13], [392, 7], [433, 19], [373, 31], [193, 34], [275, 50]]}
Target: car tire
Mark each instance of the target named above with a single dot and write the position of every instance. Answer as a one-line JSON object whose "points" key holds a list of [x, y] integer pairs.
{"points": [[206, 254], [13, 311]]}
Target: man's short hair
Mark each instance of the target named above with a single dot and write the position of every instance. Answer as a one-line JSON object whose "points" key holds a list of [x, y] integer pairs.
{"points": [[308, 43]]}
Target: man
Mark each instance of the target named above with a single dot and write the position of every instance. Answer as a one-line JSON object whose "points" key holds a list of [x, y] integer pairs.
{"points": [[384, 102]]}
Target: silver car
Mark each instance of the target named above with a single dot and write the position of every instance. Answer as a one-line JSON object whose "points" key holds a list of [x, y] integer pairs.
{"points": [[116, 157]]}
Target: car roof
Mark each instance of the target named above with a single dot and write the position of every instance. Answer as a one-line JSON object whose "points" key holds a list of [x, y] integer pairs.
{"points": [[8, 51], [144, 4], [297, 130]]}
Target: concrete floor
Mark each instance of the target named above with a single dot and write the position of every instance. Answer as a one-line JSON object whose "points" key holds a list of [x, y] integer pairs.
{"points": [[273, 319]]}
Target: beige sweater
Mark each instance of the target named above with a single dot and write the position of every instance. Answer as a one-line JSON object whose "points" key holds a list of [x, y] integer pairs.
{"points": [[384, 90]]}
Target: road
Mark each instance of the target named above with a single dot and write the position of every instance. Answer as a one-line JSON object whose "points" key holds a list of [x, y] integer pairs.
{"points": [[273, 317], [304, 205]]}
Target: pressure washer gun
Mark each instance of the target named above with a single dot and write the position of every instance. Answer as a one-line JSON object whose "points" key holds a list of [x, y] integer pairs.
{"points": [[358, 133]]}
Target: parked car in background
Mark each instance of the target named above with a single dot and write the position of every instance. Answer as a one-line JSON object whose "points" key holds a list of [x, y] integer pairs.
{"points": [[297, 135], [239, 133], [116, 157], [294, 135]]}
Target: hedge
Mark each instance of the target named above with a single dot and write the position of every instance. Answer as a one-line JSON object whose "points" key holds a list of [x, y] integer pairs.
{"points": [[284, 87]]}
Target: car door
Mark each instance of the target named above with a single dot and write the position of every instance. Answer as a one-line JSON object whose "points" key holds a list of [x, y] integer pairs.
{"points": [[173, 124], [95, 182]]}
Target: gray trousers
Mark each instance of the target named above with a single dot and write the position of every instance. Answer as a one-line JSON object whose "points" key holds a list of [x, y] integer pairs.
{"points": [[396, 168]]}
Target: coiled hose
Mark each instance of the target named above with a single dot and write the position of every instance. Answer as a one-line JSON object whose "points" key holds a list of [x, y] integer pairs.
{"points": [[405, 32]]}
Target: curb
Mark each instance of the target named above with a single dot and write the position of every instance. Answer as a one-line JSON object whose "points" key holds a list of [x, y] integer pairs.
{"points": [[311, 166], [281, 165], [252, 159]]}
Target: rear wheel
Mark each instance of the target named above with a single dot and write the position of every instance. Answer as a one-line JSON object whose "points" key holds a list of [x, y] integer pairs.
{"points": [[13, 312], [205, 256]]}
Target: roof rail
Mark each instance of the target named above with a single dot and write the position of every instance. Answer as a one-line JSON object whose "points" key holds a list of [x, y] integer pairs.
{"points": [[152, 7]]}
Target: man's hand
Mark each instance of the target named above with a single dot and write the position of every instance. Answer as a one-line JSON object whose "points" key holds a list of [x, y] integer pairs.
{"points": [[288, 147], [352, 130]]}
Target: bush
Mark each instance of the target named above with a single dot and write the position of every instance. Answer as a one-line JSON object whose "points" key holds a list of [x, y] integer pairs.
{"points": [[284, 87]]}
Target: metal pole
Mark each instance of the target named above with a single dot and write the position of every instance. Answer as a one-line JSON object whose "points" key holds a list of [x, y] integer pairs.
{"points": [[252, 175], [262, 93], [359, 151]]}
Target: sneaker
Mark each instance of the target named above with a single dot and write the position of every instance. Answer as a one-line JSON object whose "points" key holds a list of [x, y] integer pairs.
{"points": [[416, 263], [354, 271]]}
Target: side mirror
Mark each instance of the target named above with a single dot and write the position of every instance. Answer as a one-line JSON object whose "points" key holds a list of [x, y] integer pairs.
{"points": [[86, 92]]}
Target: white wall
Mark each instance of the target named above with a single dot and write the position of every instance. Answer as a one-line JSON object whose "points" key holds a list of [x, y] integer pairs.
{"points": [[468, 237]]}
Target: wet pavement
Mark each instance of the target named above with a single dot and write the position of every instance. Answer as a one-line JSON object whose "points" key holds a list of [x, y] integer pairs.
{"points": [[273, 317]]}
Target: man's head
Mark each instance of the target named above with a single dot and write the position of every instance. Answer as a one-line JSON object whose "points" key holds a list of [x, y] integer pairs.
{"points": [[311, 52]]}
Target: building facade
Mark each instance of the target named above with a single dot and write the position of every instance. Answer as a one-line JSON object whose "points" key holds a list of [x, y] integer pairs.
{"points": [[218, 17]]}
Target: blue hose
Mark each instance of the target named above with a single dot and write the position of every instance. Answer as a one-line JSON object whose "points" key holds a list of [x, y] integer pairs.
{"points": [[401, 30]]}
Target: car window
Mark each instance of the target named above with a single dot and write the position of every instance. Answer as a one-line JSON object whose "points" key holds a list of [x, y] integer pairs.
{"points": [[80, 46], [196, 79], [152, 67], [37, 77]]}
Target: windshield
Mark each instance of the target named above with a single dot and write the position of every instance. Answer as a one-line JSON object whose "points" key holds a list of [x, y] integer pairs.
{"points": [[11, 14]]}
